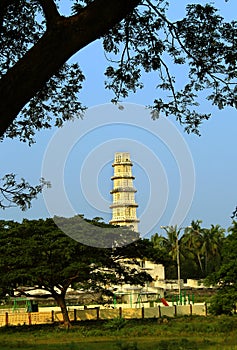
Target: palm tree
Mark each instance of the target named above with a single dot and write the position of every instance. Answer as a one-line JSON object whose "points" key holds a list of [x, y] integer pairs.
{"points": [[172, 240], [193, 241], [205, 244], [212, 242]]}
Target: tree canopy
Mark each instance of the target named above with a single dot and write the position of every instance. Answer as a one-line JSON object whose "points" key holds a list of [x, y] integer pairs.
{"points": [[199, 249], [224, 302], [40, 88], [37, 254]]}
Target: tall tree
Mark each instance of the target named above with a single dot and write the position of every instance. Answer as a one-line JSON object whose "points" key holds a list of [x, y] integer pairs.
{"points": [[204, 244], [225, 279], [193, 240], [212, 244], [36, 253], [39, 40], [39, 88], [161, 248], [172, 243]]}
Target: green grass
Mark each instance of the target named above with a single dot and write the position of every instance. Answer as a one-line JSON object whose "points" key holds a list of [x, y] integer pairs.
{"points": [[197, 333]]}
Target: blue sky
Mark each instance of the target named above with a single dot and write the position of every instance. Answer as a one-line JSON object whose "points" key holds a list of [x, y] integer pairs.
{"points": [[87, 166]]}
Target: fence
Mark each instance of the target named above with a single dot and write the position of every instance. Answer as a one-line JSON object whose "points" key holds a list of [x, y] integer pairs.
{"points": [[33, 318]]}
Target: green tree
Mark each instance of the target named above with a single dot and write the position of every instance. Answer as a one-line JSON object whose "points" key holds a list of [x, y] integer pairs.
{"points": [[172, 240], [161, 247], [169, 248], [160, 244], [203, 245], [225, 279], [199, 249], [193, 241], [211, 248], [36, 253], [40, 88]]}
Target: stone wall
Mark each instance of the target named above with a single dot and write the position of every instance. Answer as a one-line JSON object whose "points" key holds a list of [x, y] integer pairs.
{"points": [[23, 318]]}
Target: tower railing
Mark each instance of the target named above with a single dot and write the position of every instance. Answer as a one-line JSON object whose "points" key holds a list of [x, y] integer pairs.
{"points": [[123, 173], [124, 218], [124, 201]]}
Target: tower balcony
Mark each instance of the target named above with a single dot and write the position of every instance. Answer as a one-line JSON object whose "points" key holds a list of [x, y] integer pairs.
{"points": [[124, 204], [124, 175], [121, 219], [122, 162], [123, 189]]}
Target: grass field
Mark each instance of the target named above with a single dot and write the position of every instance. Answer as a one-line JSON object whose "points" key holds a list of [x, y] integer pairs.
{"points": [[209, 333]]}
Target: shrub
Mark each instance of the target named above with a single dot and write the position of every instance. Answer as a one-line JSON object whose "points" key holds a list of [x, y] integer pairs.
{"points": [[221, 304]]}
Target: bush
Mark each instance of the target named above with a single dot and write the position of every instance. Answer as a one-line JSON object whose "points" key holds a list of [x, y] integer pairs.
{"points": [[221, 304]]}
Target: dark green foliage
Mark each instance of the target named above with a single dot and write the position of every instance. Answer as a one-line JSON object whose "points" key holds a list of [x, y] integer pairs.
{"points": [[36, 253], [226, 277], [165, 248], [203, 247], [199, 250], [222, 303]]}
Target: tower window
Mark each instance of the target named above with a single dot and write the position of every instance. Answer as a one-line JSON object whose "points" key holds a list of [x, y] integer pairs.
{"points": [[128, 211], [118, 159]]}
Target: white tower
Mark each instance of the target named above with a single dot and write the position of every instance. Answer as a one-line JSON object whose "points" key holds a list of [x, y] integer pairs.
{"points": [[124, 205]]}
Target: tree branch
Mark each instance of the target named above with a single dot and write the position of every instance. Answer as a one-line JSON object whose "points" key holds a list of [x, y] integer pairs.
{"points": [[56, 46], [175, 35], [50, 11]]}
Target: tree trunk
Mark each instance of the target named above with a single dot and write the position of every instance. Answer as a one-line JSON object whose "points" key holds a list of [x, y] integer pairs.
{"points": [[200, 262], [64, 37], [60, 298]]}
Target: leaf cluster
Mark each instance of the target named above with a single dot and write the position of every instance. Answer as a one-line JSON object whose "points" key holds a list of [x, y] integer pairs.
{"points": [[147, 41], [202, 45], [225, 278], [144, 41], [18, 193], [23, 24], [56, 103], [36, 253], [199, 250]]}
